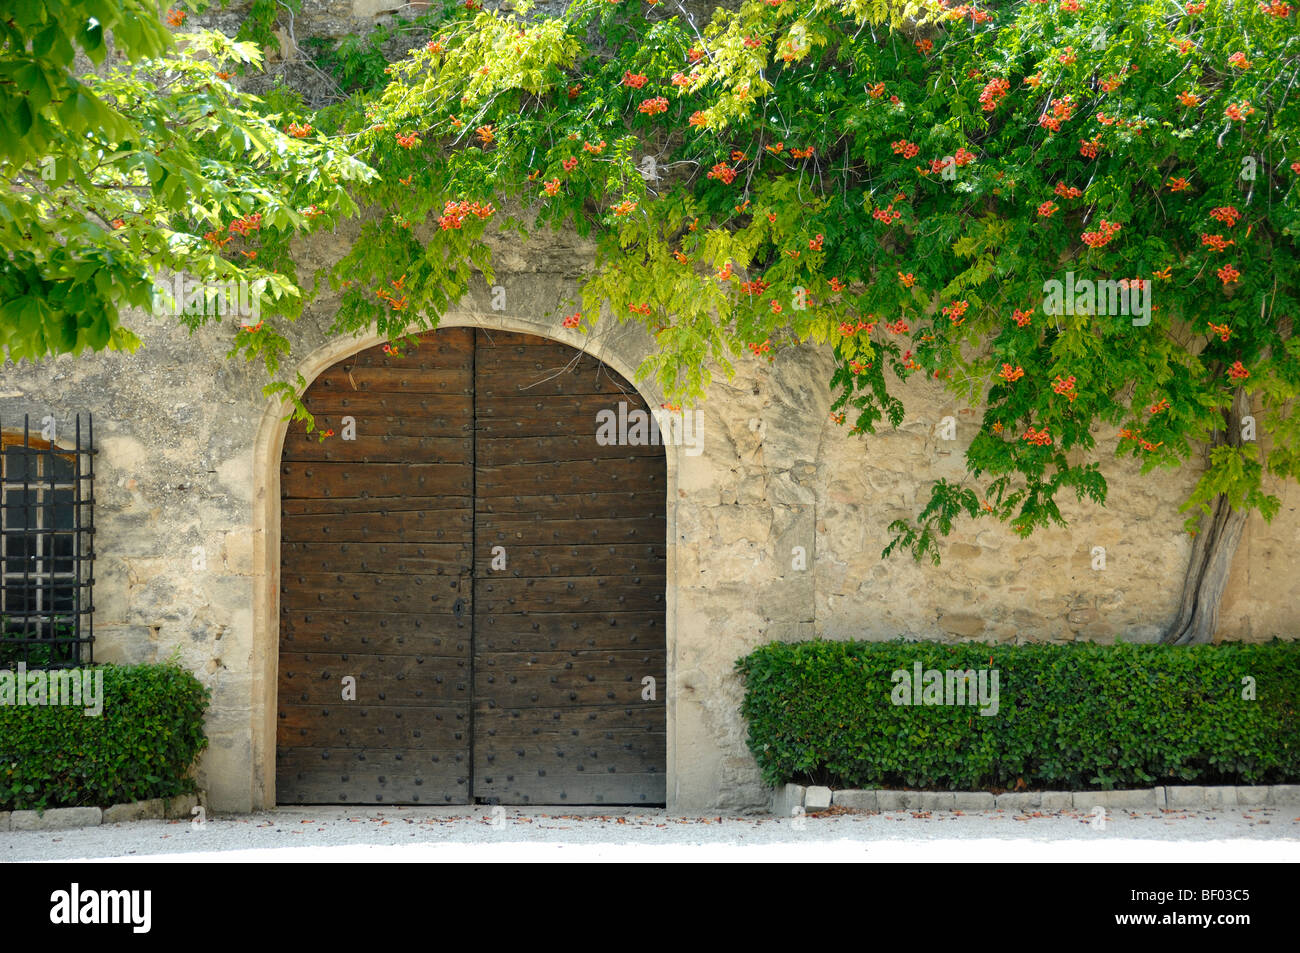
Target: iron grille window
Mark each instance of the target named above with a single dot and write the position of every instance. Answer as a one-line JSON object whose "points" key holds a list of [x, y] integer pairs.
{"points": [[46, 551]]}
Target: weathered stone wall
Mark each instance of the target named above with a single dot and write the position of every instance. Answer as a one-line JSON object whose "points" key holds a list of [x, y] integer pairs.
{"points": [[188, 468]]}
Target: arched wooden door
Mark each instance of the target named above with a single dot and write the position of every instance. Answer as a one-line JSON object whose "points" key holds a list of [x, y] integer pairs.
{"points": [[489, 574]]}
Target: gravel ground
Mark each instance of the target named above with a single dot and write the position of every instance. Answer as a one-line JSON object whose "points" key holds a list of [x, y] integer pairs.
{"points": [[339, 834]]}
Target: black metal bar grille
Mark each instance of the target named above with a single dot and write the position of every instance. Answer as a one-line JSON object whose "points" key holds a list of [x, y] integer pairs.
{"points": [[47, 547]]}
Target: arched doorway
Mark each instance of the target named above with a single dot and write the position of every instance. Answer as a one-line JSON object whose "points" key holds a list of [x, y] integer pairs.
{"points": [[487, 573]]}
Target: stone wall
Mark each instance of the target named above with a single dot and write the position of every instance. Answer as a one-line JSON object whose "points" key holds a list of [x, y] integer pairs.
{"points": [[187, 515], [187, 468]]}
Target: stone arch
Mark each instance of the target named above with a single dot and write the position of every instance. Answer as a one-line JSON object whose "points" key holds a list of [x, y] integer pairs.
{"points": [[618, 354]]}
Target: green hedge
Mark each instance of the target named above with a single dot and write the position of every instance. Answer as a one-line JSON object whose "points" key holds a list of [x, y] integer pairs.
{"points": [[1074, 717], [142, 745]]}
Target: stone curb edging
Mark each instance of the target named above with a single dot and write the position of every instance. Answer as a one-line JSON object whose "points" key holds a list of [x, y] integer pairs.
{"points": [[67, 818], [788, 797]]}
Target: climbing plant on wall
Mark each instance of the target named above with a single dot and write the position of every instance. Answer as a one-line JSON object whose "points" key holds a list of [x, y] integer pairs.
{"points": [[1077, 215], [1071, 213]]}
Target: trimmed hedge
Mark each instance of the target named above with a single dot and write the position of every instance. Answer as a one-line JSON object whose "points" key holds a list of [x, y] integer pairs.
{"points": [[142, 745], [1074, 717]]}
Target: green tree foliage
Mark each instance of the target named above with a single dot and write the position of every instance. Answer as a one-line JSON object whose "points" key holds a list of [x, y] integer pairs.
{"points": [[899, 185], [114, 179]]}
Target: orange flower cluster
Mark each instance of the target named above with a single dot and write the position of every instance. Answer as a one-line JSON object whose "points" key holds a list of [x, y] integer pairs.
{"points": [[1088, 147], [925, 46], [551, 186], [570, 164], [802, 153], [298, 131], [1189, 99], [1047, 209], [907, 279], [175, 17], [1239, 110], [755, 287], [763, 348], [815, 244], [1222, 330], [963, 157], [1102, 237], [572, 320], [1239, 60], [1067, 191], [1179, 184], [435, 47], [641, 309], [594, 150], [1216, 242], [1155, 408], [992, 94], [1039, 438], [956, 311], [898, 327], [1238, 371], [635, 80], [904, 148], [1065, 387], [837, 285], [455, 213], [486, 134], [1227, 214], [1110, 83], [216, 239], [623, 208], [887, 215], [724, 273], [1010, 374], [1227, 274], [408, 140], [653, 106], [723, 172], [776, 306], [1022, 317], [249, 223], [876, 91], [1276, 9]]}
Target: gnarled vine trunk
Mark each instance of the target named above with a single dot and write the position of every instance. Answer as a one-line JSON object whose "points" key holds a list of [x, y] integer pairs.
{"points": [[1216, 544]]}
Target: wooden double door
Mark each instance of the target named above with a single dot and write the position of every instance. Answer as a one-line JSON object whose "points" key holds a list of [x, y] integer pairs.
{"points": [[472, 585]]}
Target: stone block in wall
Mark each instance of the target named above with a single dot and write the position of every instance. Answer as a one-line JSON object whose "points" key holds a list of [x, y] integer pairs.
{"points": [[136, 811], [1184, 796], [1252, 796], [1055, 800], [1221, 796], [890, 800], [786, 798], [1018, 800], [855, 799], [1288, 794], [125, 644], [1142, 800], [974, 801], [817, 798], [55, 819]]}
